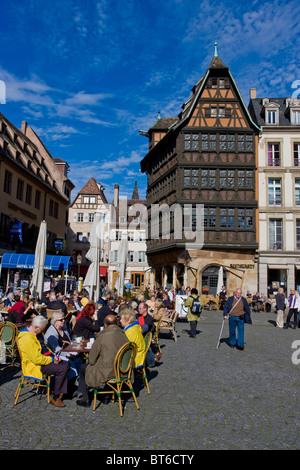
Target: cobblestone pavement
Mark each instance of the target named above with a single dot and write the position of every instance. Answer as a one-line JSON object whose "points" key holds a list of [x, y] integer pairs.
{"points": [[202, 398]]}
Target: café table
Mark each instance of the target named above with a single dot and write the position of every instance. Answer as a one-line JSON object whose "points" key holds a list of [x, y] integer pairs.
{"points": [[81, 347]]}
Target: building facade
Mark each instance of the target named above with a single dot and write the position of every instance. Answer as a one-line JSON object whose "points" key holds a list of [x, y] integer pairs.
{"points": [[34, 186], [205, 157], [127, 216], [279, 192], [89, 200]]}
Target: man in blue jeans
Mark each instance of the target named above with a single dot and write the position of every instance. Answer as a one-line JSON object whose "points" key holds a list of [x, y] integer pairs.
{"points": [[237, 310]]}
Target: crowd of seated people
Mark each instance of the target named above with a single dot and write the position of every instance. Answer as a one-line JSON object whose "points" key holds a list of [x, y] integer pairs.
{"points": [[134, 318]]}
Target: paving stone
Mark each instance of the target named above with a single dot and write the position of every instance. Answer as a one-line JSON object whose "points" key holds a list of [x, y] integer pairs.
{"points": [[201, 398]]}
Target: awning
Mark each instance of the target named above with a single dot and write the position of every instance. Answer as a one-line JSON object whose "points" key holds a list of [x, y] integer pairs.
{"points": [[26, 261]]}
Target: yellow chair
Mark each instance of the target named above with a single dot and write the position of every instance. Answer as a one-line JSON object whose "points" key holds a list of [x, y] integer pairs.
{"points": [[8, 334], [32, 382], [141, 371], [123, 366]]}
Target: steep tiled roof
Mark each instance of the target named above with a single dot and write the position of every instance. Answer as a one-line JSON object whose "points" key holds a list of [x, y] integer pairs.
{"points": [[257, 112], [92, 187]]}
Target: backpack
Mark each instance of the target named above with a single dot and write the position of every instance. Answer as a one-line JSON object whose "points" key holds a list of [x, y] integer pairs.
{"points": [[196, 306]]}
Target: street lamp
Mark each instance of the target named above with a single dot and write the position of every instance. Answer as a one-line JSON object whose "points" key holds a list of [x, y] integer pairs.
{"points": [[79, 260]]}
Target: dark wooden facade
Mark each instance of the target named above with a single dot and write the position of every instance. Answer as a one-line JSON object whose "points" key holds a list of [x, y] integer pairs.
{"points": [[207, 155]]}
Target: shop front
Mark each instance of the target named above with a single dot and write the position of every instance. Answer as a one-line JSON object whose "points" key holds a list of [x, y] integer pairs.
{"points": [[16, 270]]}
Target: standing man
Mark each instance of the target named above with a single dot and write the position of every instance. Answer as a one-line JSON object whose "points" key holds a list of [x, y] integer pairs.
{"points": [[238, 311], [195, 306]]}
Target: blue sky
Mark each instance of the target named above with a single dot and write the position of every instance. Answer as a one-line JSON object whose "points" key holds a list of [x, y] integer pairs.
{"points": [[87, 75]]}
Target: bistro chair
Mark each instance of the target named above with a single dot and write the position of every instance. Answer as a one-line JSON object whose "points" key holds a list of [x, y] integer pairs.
{"points": [[171, 327], [123, 366], [141, 371], [32, 382], [8, 334], [156, 334], [49, 313]]}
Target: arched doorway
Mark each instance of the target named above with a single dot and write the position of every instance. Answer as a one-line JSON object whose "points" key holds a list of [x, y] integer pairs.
{"points": [[210, 279]]}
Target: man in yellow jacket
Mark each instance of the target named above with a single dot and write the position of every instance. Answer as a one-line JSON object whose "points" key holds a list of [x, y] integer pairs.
{"points": [[35, 363]]}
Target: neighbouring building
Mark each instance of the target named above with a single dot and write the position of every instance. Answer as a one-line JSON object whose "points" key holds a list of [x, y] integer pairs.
{"points": [[89, 200], [206, 156], [34, 186], [128, 216], [279, 191]]}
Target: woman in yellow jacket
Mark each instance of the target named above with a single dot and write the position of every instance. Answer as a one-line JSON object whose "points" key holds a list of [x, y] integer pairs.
{"points": [[35, 363], [133, 331]]}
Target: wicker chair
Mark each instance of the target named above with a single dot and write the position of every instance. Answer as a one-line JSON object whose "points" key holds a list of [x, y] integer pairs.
{"points": [[156, 334], [141, 371], [34, 383], [8, 334], [171, 324], [123, 366]]}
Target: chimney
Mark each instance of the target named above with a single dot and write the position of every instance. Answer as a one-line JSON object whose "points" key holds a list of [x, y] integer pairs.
{"points": [[116, 195], [24, 127], [252, 93]]}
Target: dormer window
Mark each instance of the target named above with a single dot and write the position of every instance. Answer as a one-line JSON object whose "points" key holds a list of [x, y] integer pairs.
{"points": [[270, 111], [295, 116], [271, 116]]}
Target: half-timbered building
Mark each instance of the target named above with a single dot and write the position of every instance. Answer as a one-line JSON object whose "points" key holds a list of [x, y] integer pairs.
{"points": [[204, 158]]}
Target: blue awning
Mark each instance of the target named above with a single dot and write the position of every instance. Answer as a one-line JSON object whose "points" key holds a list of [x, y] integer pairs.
{"points": [[25, 261]]}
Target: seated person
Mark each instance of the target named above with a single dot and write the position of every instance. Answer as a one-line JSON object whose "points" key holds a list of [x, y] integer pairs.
{"points": [[57, 337], [133, 331], [55, 304], [14, 311], [9, 301], [160, 311], [151, 303], [76, 302], [104, 311], [45, 297], [86, 323], [35, 364], [100, 366], [144, 319], [165, 299], [27, 313], [256, 301]]}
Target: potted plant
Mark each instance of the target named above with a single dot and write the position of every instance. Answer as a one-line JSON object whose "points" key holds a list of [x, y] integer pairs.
{"points": [[205, 289]]}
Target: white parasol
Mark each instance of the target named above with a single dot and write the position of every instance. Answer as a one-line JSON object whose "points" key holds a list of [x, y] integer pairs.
{"points": [[122, 263], [220, 281], [37, 280], [92, 278]]}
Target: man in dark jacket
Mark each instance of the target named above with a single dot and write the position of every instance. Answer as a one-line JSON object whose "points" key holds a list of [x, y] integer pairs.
{"points": [[55, 304], [105, 310], [100, 366], [238, 311]]}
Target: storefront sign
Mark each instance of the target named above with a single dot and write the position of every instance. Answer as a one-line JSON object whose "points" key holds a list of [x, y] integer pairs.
{"points": [[242, 266]]}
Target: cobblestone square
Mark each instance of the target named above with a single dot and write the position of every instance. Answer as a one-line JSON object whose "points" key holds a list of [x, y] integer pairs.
{"points": [[202, 398]]}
